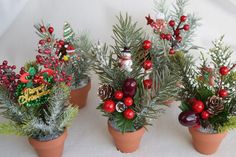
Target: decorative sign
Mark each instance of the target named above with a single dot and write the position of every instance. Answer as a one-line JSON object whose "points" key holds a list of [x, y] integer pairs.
{"points": [[31, 94]]}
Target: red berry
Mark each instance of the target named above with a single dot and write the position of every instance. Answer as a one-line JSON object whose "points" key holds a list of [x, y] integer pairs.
{"points": [[183, 18], [172, 23], [179, 38], [109, 106], [129, 114], [223, 93], [42, 29], [163, 36], [205, 115], [177, 32], [5, 62], [118, 95], [128, 101], [224, 70], [168, 36], [171, 51], [41, 42], [50, 30], [13, 67], [186, 27], [198, 106], [147, 44], [48, 40], [61, 42], [147, 83], [147, 64]]}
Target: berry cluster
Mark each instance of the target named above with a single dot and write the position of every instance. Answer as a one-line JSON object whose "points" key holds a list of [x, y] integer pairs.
{"points": [[8, 78], [120, 104], [175, 37], [49, 50]]}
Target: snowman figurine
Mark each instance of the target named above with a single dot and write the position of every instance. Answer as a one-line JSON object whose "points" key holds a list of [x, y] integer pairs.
{"points": [[125, 61]]}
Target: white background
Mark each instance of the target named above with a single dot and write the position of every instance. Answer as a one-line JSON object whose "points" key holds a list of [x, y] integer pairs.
{"points": [[88, 136]]}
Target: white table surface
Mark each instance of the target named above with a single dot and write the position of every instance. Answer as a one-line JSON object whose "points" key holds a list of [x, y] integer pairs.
{"points": [[88, 137]]}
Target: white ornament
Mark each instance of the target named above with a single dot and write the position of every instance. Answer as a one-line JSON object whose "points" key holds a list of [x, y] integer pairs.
{"points": [[125, 61]]}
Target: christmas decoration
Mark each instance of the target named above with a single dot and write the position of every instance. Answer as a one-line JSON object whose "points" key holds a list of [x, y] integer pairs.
{"points": [[38, 105], [118, 95], [208, 90], [105, 91], [129, 114], [133, 102], [129, 87], [147, 45], [125, 60], [189, 118], [109, 106], [147, 64]]}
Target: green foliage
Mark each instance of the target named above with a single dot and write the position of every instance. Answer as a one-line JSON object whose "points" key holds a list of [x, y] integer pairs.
{"points": [[49, 120], [229, 125], [194, 84]]}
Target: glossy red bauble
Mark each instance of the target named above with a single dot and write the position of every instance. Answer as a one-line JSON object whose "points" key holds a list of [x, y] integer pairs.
{"points": [[168, 36], [109, 106], [171, 23], [205, 115], [198, 106], [183, 18], [128, 101], [163, 36], [50, 30], [223, 93], [129, 114], [224, 70], [118, 95], [147, 83], [147, 64], [147, 44]]}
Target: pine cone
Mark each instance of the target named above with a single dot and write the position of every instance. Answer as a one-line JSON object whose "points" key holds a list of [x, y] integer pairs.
{"points": [[105, 91], [214, 105]]}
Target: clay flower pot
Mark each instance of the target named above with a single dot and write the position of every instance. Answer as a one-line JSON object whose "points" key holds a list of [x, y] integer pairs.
{"points": [[126, 142], [206, 143], [52, 148], [78, 97]]}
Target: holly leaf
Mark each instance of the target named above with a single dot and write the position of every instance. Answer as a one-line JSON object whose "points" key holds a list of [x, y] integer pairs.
{"points": [[184, 107], [29, 84], [32, 71]]}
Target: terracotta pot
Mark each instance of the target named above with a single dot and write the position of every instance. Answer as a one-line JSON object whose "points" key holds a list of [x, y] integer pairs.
{"points": [[126, 142], [78, 97], [206, 143], [52, 148]]}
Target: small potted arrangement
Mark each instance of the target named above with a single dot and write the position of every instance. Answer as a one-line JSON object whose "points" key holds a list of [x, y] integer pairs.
{"points": [[131, 90], [37, 106], [207, 94], [69, 54]]}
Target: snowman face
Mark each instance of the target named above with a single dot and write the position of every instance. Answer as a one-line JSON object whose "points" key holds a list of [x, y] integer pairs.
{"points": [[126, 54]]}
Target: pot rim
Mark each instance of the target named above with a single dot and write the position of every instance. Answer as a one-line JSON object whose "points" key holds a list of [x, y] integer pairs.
{"points": [[193, 129]]}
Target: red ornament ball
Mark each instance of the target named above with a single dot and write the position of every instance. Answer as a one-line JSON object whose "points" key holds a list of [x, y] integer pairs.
{"points": [[129, 114], [118, 95], [171, 23], [50, 30], [224, 70], [42, 29], [171, 51], [147, 64], [147, 83], [128, 101], [61, 42], [177, 32], [147, 44], [183, 18], [186, 27], [223, 93], [205, 115], [109, 106], [168, 36], [41, 42], [198, 106]]}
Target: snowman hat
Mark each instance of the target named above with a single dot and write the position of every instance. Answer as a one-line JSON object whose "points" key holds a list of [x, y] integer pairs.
{"points": [[70, 49]]}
